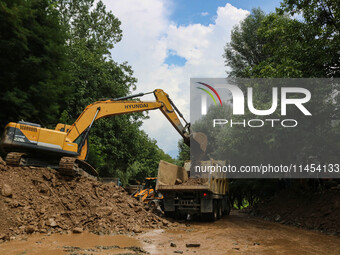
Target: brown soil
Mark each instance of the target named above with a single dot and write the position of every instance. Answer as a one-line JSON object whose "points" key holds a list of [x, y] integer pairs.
{"points": [[195, 181], [237, 233], [318, 211], [40, 200]]}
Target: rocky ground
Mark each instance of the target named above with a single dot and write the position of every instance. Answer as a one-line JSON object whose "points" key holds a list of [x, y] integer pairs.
{"points": [[238, 233], [316, 211], [40, 200]]}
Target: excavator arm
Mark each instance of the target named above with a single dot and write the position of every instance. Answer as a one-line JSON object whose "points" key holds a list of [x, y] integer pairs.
{"points": [[118, 106]]}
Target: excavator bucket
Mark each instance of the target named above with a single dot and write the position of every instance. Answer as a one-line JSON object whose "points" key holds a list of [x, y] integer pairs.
{"points": [[199, 141], [198, 146]]}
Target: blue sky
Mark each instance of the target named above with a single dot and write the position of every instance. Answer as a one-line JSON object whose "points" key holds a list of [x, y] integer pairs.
{"points": [[167, 42], [202, 11], [186, 12]]}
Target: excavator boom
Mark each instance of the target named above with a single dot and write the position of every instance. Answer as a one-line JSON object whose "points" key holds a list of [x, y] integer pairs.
{"points": [[120, 106]]}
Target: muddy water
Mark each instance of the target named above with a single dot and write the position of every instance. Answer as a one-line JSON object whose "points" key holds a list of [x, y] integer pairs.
{"points": [[85, 243], [235, 234]]}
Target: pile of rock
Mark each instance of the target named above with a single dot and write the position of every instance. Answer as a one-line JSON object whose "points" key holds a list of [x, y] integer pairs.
{"points": [[40, 200]]}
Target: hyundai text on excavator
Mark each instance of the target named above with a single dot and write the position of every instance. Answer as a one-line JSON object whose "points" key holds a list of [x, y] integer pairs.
{"points": [[66, 147]]}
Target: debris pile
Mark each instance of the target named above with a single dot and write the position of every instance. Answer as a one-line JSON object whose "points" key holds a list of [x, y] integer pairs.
{"points": [[317, 211], [40, 200], [195, 181]]}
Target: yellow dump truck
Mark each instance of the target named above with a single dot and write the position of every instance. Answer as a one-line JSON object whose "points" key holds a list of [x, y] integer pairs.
{"points": [[206, 197]]}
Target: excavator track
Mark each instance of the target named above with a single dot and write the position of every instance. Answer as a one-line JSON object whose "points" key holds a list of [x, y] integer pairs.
{"points": [[75, 167], [15, 159], [68, 166]]}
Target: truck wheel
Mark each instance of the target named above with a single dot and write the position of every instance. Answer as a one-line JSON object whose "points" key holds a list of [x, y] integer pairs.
{"points": [[215, 210], [227, 210], [180, 216], [152, 205], [219, 209], [213, 215], [207, 217], [169, 214]]}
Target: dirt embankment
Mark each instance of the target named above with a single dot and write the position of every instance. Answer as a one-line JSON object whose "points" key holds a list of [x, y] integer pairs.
{"points": [[40, 200], [318, 211]]}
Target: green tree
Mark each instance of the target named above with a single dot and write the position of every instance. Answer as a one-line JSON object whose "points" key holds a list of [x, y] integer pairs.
{"points": [[277, 45], [184, 153], [32, 61], [294, 49], [55, 60], [323, 18], [117, 146], [144, 160], [289, 48], [94, 75], [245, 48], [323, 14]]}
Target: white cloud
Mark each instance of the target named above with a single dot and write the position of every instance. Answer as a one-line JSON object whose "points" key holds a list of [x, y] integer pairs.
{"points": [[149, 35], [204, 13]]}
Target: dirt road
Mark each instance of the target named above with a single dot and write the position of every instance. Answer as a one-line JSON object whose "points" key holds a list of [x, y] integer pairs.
{"points": [[235, 234]]}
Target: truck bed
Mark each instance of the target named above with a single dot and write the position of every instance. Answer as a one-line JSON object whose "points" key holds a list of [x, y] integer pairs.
{"points": [[175, 178], [183, 187]]}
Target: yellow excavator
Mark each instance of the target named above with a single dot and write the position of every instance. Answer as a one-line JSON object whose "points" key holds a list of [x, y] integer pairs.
{"points": [[66, 147]]}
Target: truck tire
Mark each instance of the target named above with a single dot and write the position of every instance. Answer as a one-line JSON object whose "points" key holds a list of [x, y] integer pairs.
{"points": [[215, 210], [227, 210], [219, 209], [169, 214], [152, 205], [180, 216], [208, 217], [213, 215]]}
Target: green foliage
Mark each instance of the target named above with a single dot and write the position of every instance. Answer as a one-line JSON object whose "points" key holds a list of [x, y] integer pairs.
{"points": [[245, 49], [118, 147], [144, 161], [288, 48], [323, 14], [184, 153], [55, 60], [279, 46], [322, 18], [32, 59], [245, 192], [294, 49], [212, 134]]}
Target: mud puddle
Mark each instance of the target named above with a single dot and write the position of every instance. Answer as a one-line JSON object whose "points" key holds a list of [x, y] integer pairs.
{"points": [[85, 243], [234, 234], [238, 234]]}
